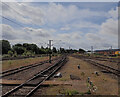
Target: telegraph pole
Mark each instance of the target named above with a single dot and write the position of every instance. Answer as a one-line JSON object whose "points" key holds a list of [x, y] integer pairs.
{"points": [[50, 44], [92, 49], [111, 47], [111, 50], [69, 50]]}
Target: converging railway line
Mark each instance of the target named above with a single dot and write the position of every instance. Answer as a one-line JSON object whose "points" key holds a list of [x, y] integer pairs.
{"points": [[22, 68], [106, 59], [104, 67], [24, 90], [113, 60], [31, 80], [110, 69]]}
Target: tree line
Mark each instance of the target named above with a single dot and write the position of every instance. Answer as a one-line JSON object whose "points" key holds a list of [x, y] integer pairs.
{"points": [[27, 49]]}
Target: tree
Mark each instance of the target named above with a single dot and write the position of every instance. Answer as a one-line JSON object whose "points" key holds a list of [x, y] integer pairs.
{"points": [[27, 46], [5, 46], [31, 47], [10, 53], [42, 47], [81, 51], [18, 44], [0, 47], [47, 50], [62, 50], [19, 50], [54, 50], [42, 51], [34, 48]]}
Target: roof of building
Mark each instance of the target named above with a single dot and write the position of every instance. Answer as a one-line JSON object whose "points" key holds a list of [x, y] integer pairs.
{"points": [[107, 50]]}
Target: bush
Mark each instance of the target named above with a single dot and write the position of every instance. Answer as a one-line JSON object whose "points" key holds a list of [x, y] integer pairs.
{"points": [[19, 50], [71, 92], [82, 73], [15, 54], [10, 53], [28, 53], [5, 46], [6, 56], [88, 92]]}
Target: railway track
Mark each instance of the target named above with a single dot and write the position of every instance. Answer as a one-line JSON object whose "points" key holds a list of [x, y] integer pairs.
{"points": [[16, 70], [107, 59], [37, 80], [98, 58], [102, 66]]}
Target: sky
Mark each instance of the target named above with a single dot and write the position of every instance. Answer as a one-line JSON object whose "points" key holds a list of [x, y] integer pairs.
{"points": [[68, 24]]}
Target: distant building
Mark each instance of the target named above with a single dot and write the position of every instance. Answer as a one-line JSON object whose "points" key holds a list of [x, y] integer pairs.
{"points": [[108, 52]]}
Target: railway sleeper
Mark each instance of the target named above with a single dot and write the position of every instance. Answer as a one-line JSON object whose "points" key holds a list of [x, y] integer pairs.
{"points": [[39, 80]]}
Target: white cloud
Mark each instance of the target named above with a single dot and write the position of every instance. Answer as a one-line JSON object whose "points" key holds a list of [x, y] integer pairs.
{"points": [[70, 36], [66, 28], [51, 14], [60, 0], [8, 32], [27, 34], [108, 33], [38, 32], [100, 41], [84, 24], [110, 27], [73, 39], [93, 37], [57, 14], [23, 13], [113, 13]]}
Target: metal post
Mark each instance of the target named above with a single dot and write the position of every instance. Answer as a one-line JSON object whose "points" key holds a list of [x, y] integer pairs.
{"points": [[50, 44], [111, 50], [92, 49]]}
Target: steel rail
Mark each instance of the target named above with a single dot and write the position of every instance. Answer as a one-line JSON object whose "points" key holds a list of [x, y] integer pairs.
{"points": [[35, 76], [110, 69], [97, 58], [105, 67], [16, 70], [20, 69], [33, 90]]}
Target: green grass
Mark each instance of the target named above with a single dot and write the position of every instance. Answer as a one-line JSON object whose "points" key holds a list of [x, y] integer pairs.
{"points": [[82, 94], [88, 92], [70, 92], [62, 79], [104, 79], [82, 74], [10, 64]]}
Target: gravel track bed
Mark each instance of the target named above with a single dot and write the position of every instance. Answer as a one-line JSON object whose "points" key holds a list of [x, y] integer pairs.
{"points": [[28, 73], [107, 63], [22, 91], [25, 75], [6, 88]]}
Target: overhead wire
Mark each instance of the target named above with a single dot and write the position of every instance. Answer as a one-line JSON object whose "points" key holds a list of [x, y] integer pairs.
{"points": [[13, 9], [18, 23], [12, 21]]}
